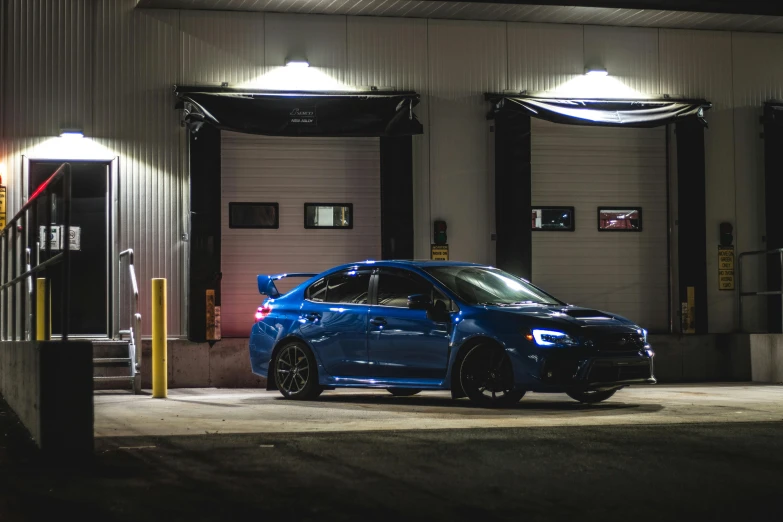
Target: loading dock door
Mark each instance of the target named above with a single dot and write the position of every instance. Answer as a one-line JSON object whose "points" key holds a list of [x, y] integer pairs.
{"points": [[291, 172], [591, 167]]}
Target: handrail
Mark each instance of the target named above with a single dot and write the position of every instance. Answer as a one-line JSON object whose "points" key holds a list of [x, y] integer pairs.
{"points": [[16, 231], [134, 328], [754, 294]]}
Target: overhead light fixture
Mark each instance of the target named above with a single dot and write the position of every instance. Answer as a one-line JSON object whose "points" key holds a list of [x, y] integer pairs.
{"points": [[71, 133], [597, 71], [297, 62]]}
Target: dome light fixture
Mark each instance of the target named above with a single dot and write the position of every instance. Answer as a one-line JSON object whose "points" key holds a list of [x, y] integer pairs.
{"points": [[597, 71], [71, 133], [297, 63]]}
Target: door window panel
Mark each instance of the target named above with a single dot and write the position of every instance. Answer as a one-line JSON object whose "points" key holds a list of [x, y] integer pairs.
{"points": [[317, 291], [394, 287], [553, 218], [349, 287]]}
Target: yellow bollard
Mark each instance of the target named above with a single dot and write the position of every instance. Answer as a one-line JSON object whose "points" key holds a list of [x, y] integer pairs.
{"points": [[41, 332], [159, 366]]}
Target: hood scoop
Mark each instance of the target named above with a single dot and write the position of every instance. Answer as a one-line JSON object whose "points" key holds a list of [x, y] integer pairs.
{"points": [[588, 315]]}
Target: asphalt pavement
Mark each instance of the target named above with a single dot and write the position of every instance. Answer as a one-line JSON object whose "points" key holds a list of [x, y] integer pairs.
{"points": [[715, 471]]}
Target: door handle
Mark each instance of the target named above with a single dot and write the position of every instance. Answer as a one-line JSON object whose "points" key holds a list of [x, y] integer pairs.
{"points": [[312, 316], [378, 321]]}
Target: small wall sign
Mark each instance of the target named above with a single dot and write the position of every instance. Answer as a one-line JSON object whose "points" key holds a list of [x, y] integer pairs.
{"points": [[439, 253], [303, 116], [726, 268]]}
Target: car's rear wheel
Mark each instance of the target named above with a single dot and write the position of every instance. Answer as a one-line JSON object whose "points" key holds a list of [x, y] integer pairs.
{"points": [[487, 377], [591, 396], [296, 374], [403, 392]]}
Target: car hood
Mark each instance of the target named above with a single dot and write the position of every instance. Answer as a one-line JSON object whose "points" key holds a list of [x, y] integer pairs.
{"points": [[568, 317]]}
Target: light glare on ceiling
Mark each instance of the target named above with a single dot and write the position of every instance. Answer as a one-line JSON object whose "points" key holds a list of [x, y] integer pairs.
{"points": [[71, 133], [597, 72], [297, 63]]}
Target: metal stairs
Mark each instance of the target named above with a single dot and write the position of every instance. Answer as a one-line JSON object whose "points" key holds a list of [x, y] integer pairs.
{"points": [[119, 360], [115, 361]]}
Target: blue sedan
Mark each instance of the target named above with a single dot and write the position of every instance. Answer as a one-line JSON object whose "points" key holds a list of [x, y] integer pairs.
{"points": [[408, 326]]}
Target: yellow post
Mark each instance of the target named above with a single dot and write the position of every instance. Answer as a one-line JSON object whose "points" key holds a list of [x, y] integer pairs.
{"points": [[159, 366], [42, 333]]}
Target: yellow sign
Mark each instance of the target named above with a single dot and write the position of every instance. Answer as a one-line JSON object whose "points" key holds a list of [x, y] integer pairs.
{"points": [[2, 208], [726, 268], [213, 317], [440, 253], [689, 312]]}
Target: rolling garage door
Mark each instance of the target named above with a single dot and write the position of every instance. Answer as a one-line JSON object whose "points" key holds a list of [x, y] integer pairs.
{"points": [[591, 167], [290, 172]]}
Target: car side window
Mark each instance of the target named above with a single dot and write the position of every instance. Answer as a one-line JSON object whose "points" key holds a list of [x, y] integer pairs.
{"points": [[395, 285], [350, 286], [317, 291]]}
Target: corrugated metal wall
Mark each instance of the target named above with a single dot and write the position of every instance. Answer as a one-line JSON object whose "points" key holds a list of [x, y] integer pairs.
{"points": [[467, 59], [108, 68]]}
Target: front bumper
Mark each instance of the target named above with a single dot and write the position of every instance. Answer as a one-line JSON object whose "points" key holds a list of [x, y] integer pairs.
{"points": [[560, 370]]}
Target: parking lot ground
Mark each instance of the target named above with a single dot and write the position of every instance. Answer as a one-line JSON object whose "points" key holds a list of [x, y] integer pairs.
{"points": [[209, 411], [638, 457]]}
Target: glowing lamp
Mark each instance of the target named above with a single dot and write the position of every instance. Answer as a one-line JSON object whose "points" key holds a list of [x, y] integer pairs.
{"points": [[597, 72]]}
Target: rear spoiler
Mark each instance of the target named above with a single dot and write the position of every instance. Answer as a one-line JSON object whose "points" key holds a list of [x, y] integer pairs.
{"points": [[266, 283]]}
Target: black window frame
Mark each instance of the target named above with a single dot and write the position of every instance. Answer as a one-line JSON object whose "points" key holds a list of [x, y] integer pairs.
{"points": [[276, 206], [453, 307], [556, 207], [623, 208], [311, 204], [370, 273]]}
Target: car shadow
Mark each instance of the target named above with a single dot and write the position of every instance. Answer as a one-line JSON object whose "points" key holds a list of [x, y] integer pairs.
{"points": [[447, 405]]}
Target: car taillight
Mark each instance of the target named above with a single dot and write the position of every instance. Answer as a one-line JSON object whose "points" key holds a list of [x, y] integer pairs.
{"points": [[262, 312]]}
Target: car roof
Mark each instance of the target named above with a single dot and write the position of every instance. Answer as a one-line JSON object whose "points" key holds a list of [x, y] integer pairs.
{"points": [[405, 263]]}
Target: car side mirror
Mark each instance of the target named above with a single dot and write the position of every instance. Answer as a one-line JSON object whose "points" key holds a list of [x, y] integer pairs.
{"points": [[419, 302]]}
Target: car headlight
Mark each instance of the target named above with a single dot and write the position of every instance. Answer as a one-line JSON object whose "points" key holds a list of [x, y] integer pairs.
{"points": [[549, 338], [643, 333]]}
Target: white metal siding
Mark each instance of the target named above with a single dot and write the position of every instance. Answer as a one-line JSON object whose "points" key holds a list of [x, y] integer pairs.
{"points": [[466, 60], [588, 167], [292, 172], [698, 64]]}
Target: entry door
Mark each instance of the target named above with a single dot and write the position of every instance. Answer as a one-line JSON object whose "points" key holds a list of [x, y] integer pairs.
{"points": [[90, 273], [405, 343]]}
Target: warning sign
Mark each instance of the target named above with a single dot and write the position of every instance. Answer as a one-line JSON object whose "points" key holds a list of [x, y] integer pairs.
{"points": [[440, 253], [726, 268], [2, 207]]}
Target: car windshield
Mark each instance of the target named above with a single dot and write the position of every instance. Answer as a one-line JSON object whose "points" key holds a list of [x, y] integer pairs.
{"points": [[489, 286]]}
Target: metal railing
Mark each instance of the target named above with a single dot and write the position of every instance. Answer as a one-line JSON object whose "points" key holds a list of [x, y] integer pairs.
{"points": [[15, 241], [134, 327], [742, 294]]}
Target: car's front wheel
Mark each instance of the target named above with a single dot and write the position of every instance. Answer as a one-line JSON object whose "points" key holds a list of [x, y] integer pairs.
{"points": [[296, 374], [591, 396], [403, 392], [487, 377]]}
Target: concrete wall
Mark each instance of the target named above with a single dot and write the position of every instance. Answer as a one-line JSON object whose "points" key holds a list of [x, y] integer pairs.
{"points": [[766, 355], [701, 358], [116, 65], [49, 387]]}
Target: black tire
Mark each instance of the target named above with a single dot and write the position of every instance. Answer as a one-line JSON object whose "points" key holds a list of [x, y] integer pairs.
{"points": [[296, 373], [591, 396], [487, 378], [403, 392]]}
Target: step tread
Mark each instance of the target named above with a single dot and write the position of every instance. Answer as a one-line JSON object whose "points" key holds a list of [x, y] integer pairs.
{"points": [[113, 378], [111, 360]]}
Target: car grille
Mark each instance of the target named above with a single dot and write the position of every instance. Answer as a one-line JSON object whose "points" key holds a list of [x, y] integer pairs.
{"points": [[618, 342], [607, 373]]}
